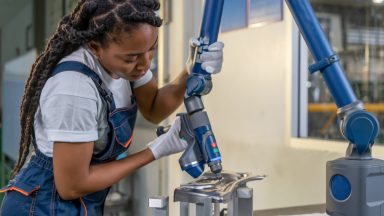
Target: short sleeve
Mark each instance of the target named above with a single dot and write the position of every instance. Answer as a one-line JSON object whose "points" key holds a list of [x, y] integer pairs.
{"points": [[69, 108], [143, 80]]}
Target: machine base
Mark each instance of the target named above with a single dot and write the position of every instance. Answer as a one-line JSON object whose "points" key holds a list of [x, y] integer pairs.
{"points": [[355, 187]]}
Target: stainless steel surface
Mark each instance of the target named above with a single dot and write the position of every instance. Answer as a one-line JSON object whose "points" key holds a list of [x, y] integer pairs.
{"points": [[217, 189]]}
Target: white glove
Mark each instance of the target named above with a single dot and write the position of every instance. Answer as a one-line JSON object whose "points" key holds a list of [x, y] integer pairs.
{"points": [[168, 143], [212, 60]]}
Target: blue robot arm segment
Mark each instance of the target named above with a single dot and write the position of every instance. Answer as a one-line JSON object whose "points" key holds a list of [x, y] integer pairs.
{"points": [[319, 46], [359, 127], [209, 31], [200, 82]]}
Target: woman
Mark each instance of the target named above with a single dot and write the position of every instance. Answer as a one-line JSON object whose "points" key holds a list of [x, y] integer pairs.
{"points": [[80, 103]]}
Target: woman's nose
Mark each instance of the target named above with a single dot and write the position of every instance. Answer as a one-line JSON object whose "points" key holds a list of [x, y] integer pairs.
{"points": [[145, 61]]}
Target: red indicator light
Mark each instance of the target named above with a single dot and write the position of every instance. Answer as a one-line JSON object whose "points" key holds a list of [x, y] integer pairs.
{"points": [[213, 145]]}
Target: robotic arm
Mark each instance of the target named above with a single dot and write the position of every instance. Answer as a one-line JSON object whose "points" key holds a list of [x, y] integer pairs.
{"points": [[204, 149], [359, 127], [353, 181]]}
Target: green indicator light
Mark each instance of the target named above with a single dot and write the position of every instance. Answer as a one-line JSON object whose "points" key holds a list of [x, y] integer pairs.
{"points": [[215, 150]]}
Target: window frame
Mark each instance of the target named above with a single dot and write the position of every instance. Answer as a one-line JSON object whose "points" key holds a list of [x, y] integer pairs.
{"points": [[300, 117], [266, 22], [249, 24]]}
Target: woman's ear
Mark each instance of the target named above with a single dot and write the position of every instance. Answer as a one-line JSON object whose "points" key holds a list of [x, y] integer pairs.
{"points": [[95, 48]]}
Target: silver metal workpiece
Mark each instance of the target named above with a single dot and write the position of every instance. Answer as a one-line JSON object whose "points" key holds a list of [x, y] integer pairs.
{"points": [[211, 190], [218, 189]]}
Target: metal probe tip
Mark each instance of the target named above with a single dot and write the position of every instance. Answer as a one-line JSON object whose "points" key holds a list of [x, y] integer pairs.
{"points": [[218, 175], [216, 169]]}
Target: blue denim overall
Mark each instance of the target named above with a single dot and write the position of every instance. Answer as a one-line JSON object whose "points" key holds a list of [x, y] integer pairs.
{"points": [[33, 191]]}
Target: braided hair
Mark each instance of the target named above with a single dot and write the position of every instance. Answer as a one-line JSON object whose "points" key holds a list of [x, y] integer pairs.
{"points": [[91, 20]]}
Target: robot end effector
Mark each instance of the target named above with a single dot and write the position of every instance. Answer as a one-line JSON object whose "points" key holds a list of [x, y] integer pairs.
{"points": [[202, 148]]}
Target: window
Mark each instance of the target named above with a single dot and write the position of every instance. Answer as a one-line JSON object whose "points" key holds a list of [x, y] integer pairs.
{"points": [[234, 15], [243, 13], [356, 32], [264, 11]]}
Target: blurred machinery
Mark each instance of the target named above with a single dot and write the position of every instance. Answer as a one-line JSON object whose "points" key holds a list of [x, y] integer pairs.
{"points": [[15, 75]]}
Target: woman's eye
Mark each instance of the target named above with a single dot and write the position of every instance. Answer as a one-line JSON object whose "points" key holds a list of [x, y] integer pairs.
{"points": [[129, 60], [153, 49]]}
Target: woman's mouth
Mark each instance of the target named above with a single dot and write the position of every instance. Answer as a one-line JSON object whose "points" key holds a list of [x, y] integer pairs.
{"points": [[137, 76], [140, 74]]}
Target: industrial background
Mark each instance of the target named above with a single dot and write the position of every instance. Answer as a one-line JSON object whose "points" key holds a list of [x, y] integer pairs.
{"points": [[269, 116]]}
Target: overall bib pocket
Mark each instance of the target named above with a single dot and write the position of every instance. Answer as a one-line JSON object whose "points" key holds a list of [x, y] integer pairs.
{"points": [[22, 198], [124, 134]]}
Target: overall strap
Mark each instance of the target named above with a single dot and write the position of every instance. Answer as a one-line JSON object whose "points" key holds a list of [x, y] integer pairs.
{"points": [[84, 69], [133, 100]]}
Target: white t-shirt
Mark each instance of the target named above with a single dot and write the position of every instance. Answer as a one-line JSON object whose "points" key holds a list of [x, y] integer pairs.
{"points": [[71, 109]]}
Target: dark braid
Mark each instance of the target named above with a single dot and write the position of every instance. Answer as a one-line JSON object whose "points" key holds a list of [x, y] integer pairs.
{"points": [[91, 20]]}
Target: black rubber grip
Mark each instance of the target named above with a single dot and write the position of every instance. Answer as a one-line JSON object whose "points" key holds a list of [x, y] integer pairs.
{"points": [[162, 130]]}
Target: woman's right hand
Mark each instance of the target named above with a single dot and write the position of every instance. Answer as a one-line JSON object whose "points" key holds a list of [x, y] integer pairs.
{"points": [[168, 143]]}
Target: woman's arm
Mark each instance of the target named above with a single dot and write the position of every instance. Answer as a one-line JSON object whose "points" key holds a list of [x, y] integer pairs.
{"points": [[157, 104], [75, 177]]}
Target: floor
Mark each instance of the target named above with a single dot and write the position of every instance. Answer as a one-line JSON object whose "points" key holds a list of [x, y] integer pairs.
{"points": [[312, 210]]}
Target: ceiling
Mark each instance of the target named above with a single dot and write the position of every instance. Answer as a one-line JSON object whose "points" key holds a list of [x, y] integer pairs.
{"points": [[9, 8]]}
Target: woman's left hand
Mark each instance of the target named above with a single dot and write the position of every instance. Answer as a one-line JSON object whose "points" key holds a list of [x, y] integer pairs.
{"points": [[212, 60]]}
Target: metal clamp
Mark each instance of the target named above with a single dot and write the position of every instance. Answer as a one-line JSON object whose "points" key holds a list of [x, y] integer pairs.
{"points": [[324, 63]]}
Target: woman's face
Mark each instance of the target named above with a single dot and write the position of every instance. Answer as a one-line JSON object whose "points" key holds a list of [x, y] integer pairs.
{"points": [[130, 56]]}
